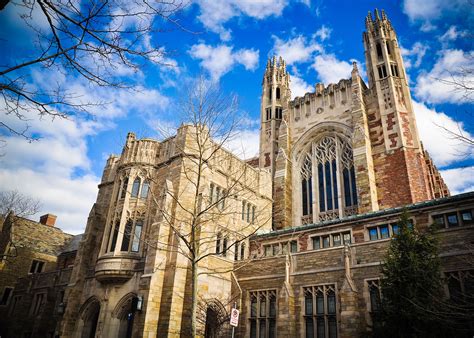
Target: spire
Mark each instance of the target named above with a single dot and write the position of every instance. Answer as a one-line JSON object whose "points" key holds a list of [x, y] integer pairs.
{"points": [[384, 17], [377, 17], [355, 70]]}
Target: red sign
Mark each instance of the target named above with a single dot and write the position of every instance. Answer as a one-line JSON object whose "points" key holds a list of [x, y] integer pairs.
{"points": [[234, 317]]}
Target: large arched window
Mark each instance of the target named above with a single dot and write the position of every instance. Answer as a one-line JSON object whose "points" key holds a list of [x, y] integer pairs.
{"points": [[330, 160]]}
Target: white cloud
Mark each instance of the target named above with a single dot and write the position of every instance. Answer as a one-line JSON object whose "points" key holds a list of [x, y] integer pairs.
{"points": [[56, 169], [433, 9], [214, 14], [248, 58], [245, 143], [452, 34], [295, 50], [443, 148], [414, 56], [330, 69], [299, 86], [221, 59], [46, 169], [428, 12], [323, 33], [432, 87], [459, 180]]}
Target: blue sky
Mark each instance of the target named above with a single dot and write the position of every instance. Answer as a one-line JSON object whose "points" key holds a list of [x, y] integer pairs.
{"points": [[230, 41]]}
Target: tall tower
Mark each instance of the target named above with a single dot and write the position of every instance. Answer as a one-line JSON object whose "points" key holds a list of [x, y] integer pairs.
{"points": [[275, 97], [400, 168]]}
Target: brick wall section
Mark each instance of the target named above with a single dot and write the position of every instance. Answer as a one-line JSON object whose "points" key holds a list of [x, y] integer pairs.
{"points": [[401, 178]]}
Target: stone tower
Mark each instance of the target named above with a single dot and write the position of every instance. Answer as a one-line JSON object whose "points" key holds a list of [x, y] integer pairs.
{"points": [[400, 170], [275, 97]]}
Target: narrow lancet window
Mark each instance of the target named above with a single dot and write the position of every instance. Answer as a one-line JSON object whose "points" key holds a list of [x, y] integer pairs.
{"points": [[136, 187]]}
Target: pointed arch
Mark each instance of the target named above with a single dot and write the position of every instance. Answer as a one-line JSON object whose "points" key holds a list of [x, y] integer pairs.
{"points": [[217, 319], [124, 312], [324, 175], [89, 317], [123, 305]]}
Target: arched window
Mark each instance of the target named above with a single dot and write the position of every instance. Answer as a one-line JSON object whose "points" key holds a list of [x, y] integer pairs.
{"points": [[331, 161], [379, 51], [124, 187], [278, 93], [136, 187], [145, 188], [218, 243], [306, 189], [126, 235]]}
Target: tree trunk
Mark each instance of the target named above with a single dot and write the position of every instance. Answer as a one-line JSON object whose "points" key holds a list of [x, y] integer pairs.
{"points": [[193, 298]]}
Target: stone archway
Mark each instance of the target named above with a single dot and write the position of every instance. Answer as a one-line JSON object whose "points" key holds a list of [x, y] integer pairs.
{"points": [[217, 318], [90, 317], [125, 312]]}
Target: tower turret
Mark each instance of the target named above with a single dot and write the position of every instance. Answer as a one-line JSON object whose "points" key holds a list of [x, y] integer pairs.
{"points": [[275, 97], [396, 145]]}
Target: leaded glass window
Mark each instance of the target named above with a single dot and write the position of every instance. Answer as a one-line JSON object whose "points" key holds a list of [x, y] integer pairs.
{"points": [[136, 187], [330, 159], [263, 314], [320, 311]]}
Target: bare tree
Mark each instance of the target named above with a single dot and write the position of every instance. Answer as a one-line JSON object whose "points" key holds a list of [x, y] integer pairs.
{"points": [[462, 81], [215, 209], [18, 203], [94, 41], [13, 204]]}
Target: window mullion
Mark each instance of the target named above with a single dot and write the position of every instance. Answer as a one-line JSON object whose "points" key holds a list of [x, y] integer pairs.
{"points": [[314, 185], [338, 179]]}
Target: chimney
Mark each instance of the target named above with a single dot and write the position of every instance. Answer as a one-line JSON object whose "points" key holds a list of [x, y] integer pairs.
{"points": [[48, 219]]}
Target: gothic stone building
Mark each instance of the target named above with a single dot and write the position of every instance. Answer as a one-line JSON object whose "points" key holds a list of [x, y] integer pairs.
{"points": [[300, 248], [30, 254]]}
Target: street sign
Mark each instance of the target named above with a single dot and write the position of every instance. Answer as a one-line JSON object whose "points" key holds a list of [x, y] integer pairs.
{"points": [[234, 317]]}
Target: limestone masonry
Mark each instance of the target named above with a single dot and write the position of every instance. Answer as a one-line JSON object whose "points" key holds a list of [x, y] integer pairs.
{"points": [[294, 238]]}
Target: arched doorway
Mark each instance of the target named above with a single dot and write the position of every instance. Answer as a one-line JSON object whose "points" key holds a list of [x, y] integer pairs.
{"points": [[217, 320], [212, 323], [90, 318], [125, 313]]}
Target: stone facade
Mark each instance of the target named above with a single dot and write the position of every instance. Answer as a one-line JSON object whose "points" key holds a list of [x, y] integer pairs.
{"points": [[307, 222], [347, 264], [30, 252], [141, 288], [376, 121]]}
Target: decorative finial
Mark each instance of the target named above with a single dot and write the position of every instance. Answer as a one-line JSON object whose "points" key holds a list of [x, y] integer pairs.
{"points": [[384, 16], [377, 17], [354, 65]]}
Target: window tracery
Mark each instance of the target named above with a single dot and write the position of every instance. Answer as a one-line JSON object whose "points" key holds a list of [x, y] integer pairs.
{"points": [[330, 160]]}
